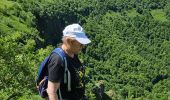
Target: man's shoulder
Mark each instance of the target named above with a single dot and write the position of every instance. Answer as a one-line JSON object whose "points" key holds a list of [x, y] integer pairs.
{"points": [[55, 57]]}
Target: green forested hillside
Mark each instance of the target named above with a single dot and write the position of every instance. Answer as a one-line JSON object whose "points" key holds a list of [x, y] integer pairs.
{"points": [[130, 49]]}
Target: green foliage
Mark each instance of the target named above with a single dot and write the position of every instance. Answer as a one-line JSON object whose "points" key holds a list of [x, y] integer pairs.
{"points": [[166, 9], [131, 65], [132, 13], [129, 50], [17, 50], [159, 15]]}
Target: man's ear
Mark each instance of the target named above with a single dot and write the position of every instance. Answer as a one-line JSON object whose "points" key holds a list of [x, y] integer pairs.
{"points": [[70, 41]]}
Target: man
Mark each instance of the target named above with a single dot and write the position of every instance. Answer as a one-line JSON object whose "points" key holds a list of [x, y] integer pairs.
{"points": [[74, 39]]}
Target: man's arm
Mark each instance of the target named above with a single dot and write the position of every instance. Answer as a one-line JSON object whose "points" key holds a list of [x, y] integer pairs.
{"points": [[52, 90]]}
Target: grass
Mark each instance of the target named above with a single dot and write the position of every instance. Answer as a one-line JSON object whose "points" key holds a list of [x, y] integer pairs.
{"points": [[159, 15], [132, 13]]}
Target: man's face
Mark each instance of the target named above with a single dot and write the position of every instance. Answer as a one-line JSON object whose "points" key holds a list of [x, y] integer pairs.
{"points": [[76, 47]]}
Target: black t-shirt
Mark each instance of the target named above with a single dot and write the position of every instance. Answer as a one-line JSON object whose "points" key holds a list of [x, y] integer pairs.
{"points": [[56, 74]]}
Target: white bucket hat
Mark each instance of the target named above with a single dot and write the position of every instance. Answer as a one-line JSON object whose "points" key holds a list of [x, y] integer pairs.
{"points": [[76, 31]]}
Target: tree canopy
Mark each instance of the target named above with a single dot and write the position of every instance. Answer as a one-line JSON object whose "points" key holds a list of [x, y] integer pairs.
{"points": [[130, 48]]}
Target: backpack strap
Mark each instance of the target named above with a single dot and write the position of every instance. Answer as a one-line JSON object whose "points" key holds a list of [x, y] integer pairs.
{"points": [[60, 52], [66, 71]]}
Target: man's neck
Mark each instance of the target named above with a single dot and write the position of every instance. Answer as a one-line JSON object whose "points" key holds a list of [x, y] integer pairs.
{"points": [[67, 51]]}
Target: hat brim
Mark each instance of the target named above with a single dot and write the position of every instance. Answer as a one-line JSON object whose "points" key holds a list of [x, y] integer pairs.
{"points": [[83, 40]]}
